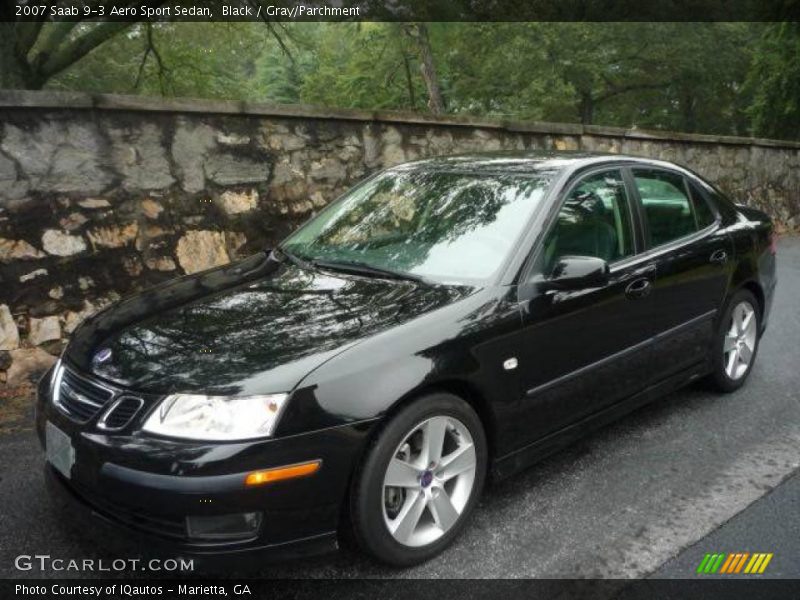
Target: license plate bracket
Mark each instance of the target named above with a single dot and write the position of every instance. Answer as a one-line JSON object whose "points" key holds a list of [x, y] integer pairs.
{"points": [[59, 450]]}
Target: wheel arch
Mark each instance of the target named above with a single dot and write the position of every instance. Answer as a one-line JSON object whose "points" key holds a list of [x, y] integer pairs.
{"points": [[470, 394], [755, 288], [467, 391], [751, 285], [745, 277], [460, 388]]}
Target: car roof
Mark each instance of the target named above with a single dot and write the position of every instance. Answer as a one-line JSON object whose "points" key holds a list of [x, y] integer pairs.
{"points": [[525, 161]]}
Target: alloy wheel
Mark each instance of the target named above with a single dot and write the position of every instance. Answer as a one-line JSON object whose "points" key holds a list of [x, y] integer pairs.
{"points": [[740, 341], [429, 481]]}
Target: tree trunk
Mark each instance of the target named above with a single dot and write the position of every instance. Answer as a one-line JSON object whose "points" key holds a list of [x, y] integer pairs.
{"points": [[586, 108], [12, 70], [409, 83], [688, 109], [419, 33]]}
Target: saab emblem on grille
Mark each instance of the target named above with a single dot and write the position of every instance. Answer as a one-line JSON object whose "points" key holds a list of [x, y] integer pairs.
{"points": [[103, 355]]}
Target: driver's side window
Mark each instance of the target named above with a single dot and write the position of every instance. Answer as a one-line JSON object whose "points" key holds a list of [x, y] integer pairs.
{"points": [[593, 221]]}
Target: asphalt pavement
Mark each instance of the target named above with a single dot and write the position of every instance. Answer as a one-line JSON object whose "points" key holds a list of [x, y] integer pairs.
{"points": [[771, 525], [645, 496]]}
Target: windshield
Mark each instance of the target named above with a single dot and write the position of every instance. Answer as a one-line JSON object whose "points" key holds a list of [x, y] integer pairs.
{"points": [[440, 225]]}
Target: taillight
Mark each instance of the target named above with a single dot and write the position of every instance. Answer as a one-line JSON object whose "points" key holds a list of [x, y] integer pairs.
{"points": [[773, 242]]}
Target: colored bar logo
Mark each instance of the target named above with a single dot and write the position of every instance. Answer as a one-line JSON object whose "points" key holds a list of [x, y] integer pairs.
{"points": [[734, 563]]}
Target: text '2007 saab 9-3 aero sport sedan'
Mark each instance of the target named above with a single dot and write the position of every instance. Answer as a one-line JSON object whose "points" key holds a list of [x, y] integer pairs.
{"points": [[445, 321]]}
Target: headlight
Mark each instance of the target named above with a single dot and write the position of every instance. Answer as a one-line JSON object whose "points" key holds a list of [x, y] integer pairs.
{"points": [[216, 418], [55, 383]]}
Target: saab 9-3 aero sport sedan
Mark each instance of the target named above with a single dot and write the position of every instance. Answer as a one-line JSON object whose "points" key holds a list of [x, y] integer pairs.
{"points": [[443, 321]]}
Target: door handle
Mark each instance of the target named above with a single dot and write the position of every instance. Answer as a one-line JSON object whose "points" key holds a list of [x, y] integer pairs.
{"points": [[719, 256], [639, 288]]}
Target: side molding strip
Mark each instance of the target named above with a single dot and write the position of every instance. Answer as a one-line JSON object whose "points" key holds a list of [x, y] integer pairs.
{"points": [[621, 354]]}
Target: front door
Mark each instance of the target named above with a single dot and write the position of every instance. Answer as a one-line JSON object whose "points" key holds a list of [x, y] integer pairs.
{"points": [[585, 349]]}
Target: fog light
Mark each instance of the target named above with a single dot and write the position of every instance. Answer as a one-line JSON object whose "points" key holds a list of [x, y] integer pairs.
{"points": [[224, 527]]}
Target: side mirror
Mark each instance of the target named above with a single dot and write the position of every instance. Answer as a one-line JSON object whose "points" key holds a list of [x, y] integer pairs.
{"points": [[578, 272]]}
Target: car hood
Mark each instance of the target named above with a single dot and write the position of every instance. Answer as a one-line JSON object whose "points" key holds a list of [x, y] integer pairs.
{"points": [[258, 326]]}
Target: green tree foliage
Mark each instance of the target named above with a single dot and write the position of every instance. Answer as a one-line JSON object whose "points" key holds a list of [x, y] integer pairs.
{"points": [[684, 76], [363, 65], [703, 66], [728, 78], [775, 82], [174, 59], [32, 53], [33, 50]]}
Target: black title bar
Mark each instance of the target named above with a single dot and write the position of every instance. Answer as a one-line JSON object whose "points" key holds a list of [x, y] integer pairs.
{"points": [[412, 589], [401, 10]]}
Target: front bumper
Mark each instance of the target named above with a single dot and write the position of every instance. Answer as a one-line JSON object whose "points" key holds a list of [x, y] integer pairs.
{"points": [[150, 485]]}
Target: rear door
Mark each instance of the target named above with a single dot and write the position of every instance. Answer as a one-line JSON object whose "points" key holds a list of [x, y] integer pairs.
{"points": [[691, 254]]}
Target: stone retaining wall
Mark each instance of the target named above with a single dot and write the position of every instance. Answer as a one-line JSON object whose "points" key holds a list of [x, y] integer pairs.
{"points": [[101, 196]]}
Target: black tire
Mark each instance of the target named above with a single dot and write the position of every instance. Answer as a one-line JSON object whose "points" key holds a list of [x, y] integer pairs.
{"points": [[367, 495], [719, 379]]}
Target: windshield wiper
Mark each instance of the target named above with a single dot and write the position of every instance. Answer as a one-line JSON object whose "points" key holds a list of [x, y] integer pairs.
{"points": [[362, 268], [350, 266], [300, 261]]}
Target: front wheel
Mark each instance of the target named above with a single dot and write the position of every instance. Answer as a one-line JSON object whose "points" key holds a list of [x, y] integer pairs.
{"points": [[420, 480], [736, 343]]}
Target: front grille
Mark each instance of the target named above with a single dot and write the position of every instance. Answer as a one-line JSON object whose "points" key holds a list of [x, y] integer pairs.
{"points": [[79, 397], [121, 413]]}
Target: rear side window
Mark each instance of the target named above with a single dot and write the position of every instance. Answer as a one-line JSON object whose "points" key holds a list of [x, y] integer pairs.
{"points": [[667, 205], [705, 216]]}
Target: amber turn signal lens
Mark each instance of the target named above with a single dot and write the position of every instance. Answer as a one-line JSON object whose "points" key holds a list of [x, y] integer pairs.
{"points": [[280, 473]]}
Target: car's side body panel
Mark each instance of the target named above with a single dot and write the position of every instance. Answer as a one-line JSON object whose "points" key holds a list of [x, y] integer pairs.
{"points": [[583, 350], [692, 277], [508, 465], [752, 235], [465, 343], [692, 287]]}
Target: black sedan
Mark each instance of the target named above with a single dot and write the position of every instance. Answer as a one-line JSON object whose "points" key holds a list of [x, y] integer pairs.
{"points": [[444, 321]]}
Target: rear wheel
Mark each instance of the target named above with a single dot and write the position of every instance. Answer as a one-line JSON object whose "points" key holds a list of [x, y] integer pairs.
{"points": [[420, 480], [736, 343]]}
